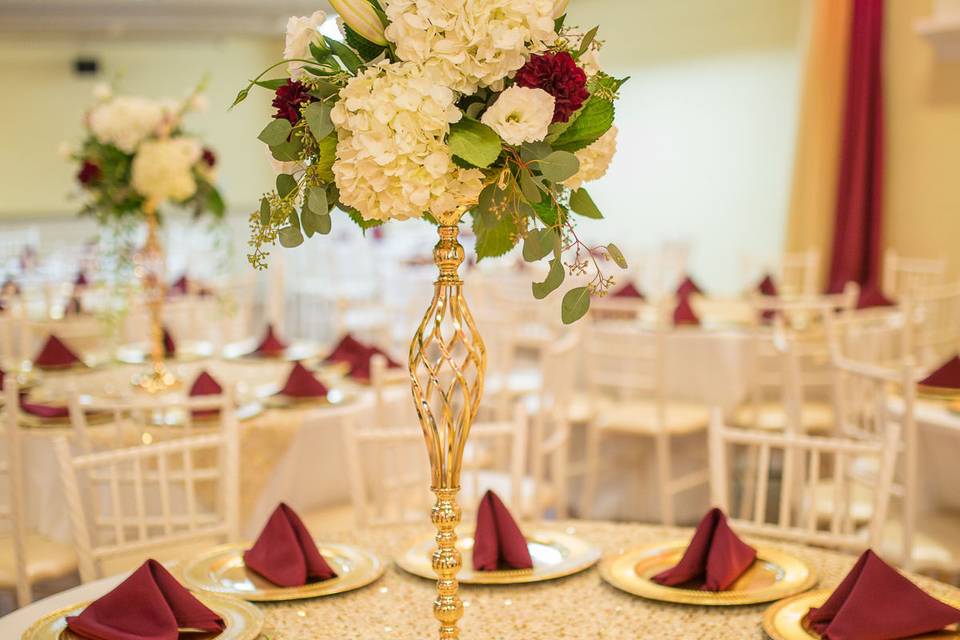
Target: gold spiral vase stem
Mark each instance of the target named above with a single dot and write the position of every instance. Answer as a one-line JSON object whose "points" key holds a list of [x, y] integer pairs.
{"points": [[447, 365]]}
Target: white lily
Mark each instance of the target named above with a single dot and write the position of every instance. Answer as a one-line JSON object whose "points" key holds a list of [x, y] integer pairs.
{"points": [[560, 8], [360, 16]]}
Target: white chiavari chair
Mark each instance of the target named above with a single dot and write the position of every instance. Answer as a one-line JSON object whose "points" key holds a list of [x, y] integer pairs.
{"points": [[904, 276], [795, 274], [625, 376], [163, 500], [390, 475], [26, 558], [787, 511], [932, 324]]}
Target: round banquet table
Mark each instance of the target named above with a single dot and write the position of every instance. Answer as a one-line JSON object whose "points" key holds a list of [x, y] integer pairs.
{"points": [[580, 606]]}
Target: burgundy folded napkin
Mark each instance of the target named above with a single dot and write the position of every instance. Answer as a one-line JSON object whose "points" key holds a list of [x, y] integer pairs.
{"points": [[169, 344], [3, 374], [687, 287], [498, 542], [55, 354], [715, 555], [205, 385], [81, 279], [871, 297], [684, 314], [180, 286], [41, 410], [628, 291], [360, 365], [875, 601], [285, 554], [302, 384], [767, 286], [271, 345], [346, 350], [149, 605], [947, 375]]}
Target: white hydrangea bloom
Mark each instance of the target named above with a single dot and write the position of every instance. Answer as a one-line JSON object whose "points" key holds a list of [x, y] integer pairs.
{"points": [[595, 159], [125, 121], [301, 31], [521, 115], [466, 44], [163, 169], [392, 161]]}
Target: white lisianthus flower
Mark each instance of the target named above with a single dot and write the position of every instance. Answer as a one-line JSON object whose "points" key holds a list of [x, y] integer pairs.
{"points": [[163, 169], [467, 44], [125, 121], [595, 159], [301, 31], [392, 161], [521, 115]]}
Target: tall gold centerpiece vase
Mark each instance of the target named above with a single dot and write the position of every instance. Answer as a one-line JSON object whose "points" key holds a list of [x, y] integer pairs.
{"points": [[151, 269], [447, 365]]}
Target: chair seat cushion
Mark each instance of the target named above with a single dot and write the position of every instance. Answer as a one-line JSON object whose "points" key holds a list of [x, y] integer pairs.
{"points": [[46, 560], [816, 417], [640, 416], [936, 543]]}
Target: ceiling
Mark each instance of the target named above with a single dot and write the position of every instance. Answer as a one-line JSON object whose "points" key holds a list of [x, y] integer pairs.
{"points": [[137, 18]]}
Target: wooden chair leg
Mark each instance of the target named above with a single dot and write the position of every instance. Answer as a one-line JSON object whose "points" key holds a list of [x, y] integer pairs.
{"points": [[593, 470], [664, 474]]}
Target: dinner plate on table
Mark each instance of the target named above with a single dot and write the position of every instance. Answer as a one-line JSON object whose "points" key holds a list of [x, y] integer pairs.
{"points": [[554, 554], [243, 621], [221, 571], [785, 619], [775, 574]]}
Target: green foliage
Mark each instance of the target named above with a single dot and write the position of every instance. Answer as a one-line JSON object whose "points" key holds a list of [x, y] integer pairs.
{"points": [[594, 120], [559, 166], [554, 279], [326, 156], [213, 202], [290, 237], [539, 243], [582, 203], [616, 255], [317, 115], [265, 213], [351, 61], [586, 41], [286, 184], [550, 212], [367, 50], [275, 133], [575, 305], [474, 142], [289, 150], [495, 229]]}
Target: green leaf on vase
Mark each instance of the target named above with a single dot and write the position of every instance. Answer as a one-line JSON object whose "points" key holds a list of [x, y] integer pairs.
{"points": [[288, 151], [367, 50], [550, 213], [276, 132], [616, 255], [538, 243], [575, 305], [273, 84], [290, 237], [286, 184], [554, 279], [317, 201], [535, 151], [347, 56], [326, 156], [265, 214], [474, 142], [529, 188], [559, 166], [496, 235], [323, 89], [582, 203], [214, 202], [586, 41], [594, 120], [317, 115]]}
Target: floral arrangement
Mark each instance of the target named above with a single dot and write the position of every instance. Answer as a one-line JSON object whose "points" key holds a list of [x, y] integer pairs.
{"points": [[428, 107], [135, 150]]}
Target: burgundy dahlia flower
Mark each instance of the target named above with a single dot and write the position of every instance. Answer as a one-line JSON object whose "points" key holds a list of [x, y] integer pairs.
{"points": [[558, 75], [209, 157], [288, 100], [89, 173]]}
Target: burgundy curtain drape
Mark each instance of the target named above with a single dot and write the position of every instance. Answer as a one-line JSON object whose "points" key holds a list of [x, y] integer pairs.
{"points": [[859, 212]]}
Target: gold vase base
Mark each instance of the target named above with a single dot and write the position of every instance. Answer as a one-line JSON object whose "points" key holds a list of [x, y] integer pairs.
{"points": [[158, 380]]}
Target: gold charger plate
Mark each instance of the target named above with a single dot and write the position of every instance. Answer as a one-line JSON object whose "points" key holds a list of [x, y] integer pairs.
{"points": [[937, 393], [244, 621], [31, 421], [774, 575], [555, 555], [784, 620], [221, 570], [334, 398], [245, 351], [187, 351]]}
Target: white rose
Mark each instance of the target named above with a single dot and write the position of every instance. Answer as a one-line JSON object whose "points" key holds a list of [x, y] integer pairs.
{"points": [[301, 31], [163, 169], [125, 121], [521, 115], [595, 159]]}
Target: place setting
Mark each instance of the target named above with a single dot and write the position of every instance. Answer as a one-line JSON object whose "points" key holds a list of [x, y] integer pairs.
{"points": [[270, 347]]}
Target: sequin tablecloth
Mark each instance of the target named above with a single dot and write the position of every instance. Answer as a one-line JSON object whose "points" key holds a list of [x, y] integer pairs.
{"points": [[581, 606]]}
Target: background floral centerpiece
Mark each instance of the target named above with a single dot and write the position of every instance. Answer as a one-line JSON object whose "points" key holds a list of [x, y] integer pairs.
{"points": [[135, 150], [434, 105]]}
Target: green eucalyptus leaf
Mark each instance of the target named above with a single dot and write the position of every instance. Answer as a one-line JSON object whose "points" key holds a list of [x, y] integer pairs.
{"points": [[214, 202], [474, 142], [286, 184], [587, 41], [290, 237], [323, 89], [293, 217], [582, 203], [288, 151], [276, 132], [273, 84], [347, 56], [529, 188], [538, 243], [535, 151], [593, 120], [317, 201], [317, 115], [307, 219], [265, 214], [616, 255], [554, 279], [473, 110], [575, 305], [559, 166]]}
